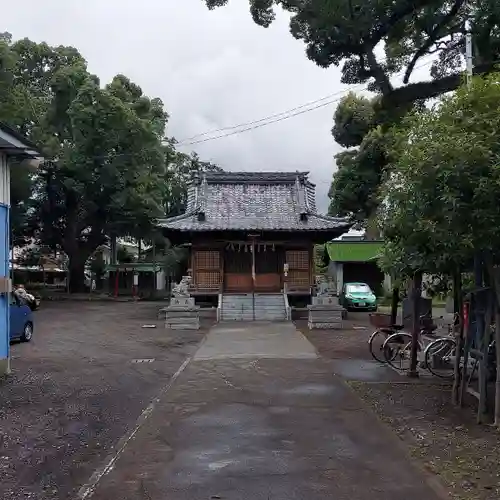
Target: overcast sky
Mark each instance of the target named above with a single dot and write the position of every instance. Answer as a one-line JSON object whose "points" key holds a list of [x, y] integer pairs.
{"points": [[212, 69]]}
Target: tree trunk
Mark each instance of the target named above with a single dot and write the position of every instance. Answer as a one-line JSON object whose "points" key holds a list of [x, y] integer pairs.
{"points": [[459, 336], [497, 379], [76, 274], [415, 334], [494, 280], [113, 249], [394, 305]]}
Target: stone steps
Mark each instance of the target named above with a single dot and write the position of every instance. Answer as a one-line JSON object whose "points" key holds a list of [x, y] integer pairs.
{"points": [[261, 307]]}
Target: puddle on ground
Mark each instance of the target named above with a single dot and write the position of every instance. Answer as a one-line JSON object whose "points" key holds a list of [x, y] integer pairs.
{"points": [[279, 410], [311, 389], [363, 370]]}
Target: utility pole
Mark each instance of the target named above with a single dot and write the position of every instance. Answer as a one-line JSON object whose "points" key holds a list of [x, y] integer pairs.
{"points": [[478, 267], [468, 51], [477, 317]]}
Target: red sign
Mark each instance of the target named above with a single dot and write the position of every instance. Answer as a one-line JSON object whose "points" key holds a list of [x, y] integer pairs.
{"points": [[465, 315]]}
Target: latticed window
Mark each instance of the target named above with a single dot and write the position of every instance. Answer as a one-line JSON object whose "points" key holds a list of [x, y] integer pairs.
{"points": [[208, 279], [207, 259], [298, 268], [297, 259], [207, 268]]}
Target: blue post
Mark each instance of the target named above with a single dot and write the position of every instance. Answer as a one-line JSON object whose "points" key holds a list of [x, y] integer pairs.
{"points": [[4, 297]]}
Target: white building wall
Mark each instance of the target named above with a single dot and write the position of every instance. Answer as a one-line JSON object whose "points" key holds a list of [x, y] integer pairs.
{"points": [[4, 181], [160, 280], [4, 264], [340, 276]]}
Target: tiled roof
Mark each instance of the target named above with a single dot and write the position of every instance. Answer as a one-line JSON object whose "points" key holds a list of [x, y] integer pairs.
{"points": [[254, 177], [275, 201]]}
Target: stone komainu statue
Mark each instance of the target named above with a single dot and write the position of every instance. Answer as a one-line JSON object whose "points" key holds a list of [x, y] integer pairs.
{"points": [[181, 289]]}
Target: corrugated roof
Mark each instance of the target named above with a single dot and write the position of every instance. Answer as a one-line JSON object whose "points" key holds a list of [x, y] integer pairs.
{"points": [[353, 251], [27, 144], [273, 201]]}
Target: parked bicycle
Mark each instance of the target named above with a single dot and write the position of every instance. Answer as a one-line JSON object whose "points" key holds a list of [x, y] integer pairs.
{"points": [[384, 330], [436, 356]]}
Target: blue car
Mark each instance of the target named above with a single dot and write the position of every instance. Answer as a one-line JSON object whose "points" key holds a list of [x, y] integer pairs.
{"points": [[21, 319]]}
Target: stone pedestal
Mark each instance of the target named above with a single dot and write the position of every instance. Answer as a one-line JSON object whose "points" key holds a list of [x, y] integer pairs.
{"points": [[407, 306], [325, 312], [182, 314]]}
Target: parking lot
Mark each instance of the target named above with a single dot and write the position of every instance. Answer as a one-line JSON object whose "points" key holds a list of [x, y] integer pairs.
{"points": [[75, 390]]}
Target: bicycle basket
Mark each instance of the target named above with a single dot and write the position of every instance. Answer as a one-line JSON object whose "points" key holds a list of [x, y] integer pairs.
{"points": [[380, 320]]}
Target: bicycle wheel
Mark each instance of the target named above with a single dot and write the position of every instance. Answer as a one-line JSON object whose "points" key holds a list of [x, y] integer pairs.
{"points": [[397, 349], [438, 357], [376, 345]]}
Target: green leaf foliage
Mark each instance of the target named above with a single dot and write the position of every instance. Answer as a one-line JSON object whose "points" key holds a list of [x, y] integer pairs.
{"points": [[354, 190], [346, 33], [110, 171], [353, 119], [180, 167], [440, 204]]}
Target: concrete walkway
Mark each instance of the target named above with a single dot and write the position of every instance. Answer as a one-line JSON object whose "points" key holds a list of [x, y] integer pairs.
{"points": [[238, 425], [255, 340]]}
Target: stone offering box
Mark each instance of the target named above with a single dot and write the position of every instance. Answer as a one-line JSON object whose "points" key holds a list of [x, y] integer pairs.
{"points": [[182, 314], [325, 312]]}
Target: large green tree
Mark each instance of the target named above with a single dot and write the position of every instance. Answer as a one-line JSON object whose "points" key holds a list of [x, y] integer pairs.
{"points": [[110, 171], [21, 192], [26, 69], [179, 170], [107, 174], [440, 203], [357, 127], [352, 33], [439, 207], [104, 149], [372, 41], [361, 126]]}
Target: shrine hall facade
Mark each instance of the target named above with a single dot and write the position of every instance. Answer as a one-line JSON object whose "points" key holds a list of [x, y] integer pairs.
{"points": [[252, 232]]}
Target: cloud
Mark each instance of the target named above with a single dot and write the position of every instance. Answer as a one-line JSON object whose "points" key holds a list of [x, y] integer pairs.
{"points": [[212, 69]]}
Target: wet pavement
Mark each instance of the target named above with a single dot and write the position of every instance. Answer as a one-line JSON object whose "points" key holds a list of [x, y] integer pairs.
{"points": [[255, 340], [76, 388], [263, 427]]}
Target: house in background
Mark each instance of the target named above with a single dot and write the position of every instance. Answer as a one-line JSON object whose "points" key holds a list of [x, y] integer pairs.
{"points": [[137, 275], [354, 259], [13, 148], [129, 245]]}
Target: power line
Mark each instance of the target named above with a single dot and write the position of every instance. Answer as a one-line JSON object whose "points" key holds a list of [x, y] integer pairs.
{"points": [[275, 115], [253, 127], [284, 115]]}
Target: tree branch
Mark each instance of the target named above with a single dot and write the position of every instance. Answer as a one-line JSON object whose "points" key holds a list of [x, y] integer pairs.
{"points": [[427, 90], [433, 36], [407, 9], [383, 81]]}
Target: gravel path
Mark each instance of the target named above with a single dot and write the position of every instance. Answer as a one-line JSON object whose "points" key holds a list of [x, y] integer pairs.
{"points": [[75, 390]]}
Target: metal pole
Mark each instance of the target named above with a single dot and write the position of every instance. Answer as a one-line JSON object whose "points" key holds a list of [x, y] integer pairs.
{"points": [[155, 277], [478, 258], [478, 264], [468, 52], [253, 277]]}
